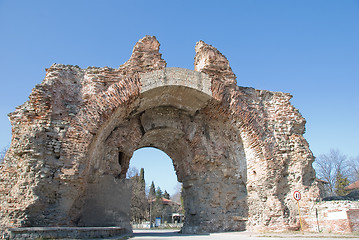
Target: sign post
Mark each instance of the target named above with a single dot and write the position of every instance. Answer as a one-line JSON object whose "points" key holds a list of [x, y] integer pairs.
{"points": [[297, 196]]}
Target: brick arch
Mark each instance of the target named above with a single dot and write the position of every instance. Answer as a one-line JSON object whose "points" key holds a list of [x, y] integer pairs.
{"points": [[182, 88], [171, 109], [239, 151]]}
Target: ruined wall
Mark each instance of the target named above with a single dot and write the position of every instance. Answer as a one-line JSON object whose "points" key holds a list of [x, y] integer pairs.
{"points": [[332, 216], [102, 209], [278, 157], [239, 152]]}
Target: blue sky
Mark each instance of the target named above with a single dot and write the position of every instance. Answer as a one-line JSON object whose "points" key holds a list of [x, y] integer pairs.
{"points": [[307, 48]]}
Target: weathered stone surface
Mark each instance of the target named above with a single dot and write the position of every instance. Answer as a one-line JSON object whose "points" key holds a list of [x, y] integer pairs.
{"points": [[210, 61], [66, 232], [239, 152]]}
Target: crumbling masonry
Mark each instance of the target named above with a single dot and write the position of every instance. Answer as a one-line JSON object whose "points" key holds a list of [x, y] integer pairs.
{"points": [[239, 152]]}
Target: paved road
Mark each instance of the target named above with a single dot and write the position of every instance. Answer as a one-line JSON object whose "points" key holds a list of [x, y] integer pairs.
{"points": [[174, 235]]}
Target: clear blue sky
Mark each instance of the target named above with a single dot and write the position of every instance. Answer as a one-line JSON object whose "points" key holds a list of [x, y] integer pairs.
{"points": [[307, 48]]}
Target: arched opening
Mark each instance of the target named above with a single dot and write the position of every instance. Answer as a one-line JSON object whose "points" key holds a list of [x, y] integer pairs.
{"points": [[207, 154], [205, 147], [158, 167], [156, 193]]}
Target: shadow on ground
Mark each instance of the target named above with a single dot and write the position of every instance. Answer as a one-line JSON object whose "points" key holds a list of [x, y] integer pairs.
{"points": [[163, 233]]}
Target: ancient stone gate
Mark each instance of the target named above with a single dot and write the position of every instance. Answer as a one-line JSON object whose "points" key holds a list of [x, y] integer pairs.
{"points": [[239, 152]]}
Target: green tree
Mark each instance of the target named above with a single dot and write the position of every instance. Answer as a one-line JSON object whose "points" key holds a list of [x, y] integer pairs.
{"points": [[152, 193], [166, 195], [142, 175], [159, 193], [340, 183], [138, 199]]}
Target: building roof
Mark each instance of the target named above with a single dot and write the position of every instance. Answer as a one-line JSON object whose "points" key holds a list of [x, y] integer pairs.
{"points": [[321, 181], [354, 185], [165, 201]]}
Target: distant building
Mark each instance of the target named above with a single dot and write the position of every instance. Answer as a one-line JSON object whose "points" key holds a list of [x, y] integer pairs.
{"points": [[177, 218], [353, 186], [169, 211]]}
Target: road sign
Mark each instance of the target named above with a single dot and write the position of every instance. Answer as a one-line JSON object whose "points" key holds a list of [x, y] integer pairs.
{"points": [[297, 196]]}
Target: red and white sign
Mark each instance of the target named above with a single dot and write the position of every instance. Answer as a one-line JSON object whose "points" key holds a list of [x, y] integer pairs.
{"points": [[297, 196]]}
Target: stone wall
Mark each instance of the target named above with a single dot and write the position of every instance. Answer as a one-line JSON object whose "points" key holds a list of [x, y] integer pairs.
{"points": [[105, 203], [239, 152], [278, 158], [332, 216], [67, 233]]}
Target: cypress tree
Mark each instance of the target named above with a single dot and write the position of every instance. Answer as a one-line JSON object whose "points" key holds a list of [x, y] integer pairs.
{"points": [[138, 199], [152, 192], [142, 175], [159, 194], [166, 195]]}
